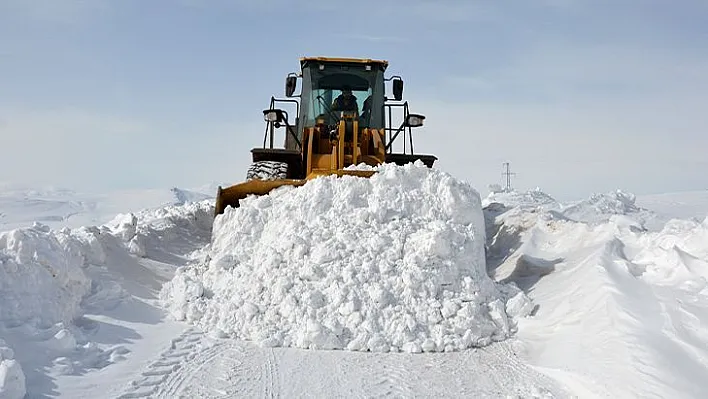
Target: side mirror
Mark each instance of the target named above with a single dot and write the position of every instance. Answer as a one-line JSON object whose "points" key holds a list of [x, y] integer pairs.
{"points": [[414, 120], [290, 84], [398, 89]]}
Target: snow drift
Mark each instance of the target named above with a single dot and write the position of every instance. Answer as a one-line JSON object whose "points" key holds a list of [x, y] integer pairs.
{"points": [[40, 281], [49, 279], [601, 207], [393, 262], [12, 379], [163, 232], [617, 303], [526, 199]]}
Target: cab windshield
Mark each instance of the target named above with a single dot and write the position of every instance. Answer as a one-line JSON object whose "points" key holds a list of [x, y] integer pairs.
{"points": [[327, 94]]}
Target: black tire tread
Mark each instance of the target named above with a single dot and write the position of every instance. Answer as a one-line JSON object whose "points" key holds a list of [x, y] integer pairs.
{"points": [[267, 170]]}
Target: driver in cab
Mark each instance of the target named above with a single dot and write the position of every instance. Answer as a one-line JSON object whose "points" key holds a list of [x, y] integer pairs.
{"points": [[345, 101]]}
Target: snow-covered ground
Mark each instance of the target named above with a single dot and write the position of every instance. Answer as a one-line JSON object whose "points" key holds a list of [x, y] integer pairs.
{"points": [[612, 299]]}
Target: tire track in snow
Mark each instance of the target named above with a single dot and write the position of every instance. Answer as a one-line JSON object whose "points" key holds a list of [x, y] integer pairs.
{"points": [[210, 375], [177, 382], [197, 366], [526, 382], [181, 350], [391, 378], [272, 377]]}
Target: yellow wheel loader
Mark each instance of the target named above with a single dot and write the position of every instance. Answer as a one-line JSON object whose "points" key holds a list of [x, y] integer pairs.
{"points": [[343, 118]]}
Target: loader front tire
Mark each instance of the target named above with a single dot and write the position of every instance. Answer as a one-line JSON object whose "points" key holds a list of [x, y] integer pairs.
{"points": [[267, 170]]}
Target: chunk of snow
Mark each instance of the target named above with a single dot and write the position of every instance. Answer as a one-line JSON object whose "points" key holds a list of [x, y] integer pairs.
{"points": [[519, 306], [12, 378]]}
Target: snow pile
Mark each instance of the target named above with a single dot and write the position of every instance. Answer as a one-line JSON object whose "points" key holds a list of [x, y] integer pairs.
{"points": [[615, 304], [532, 198], [393, 262], [49, 279], [677, 255], [43, 282], [12, 379], [600, 208], [40, 281], [43, 272], [160, 233]]}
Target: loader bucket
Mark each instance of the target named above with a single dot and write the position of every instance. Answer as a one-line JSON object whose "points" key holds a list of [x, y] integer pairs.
{"points": [[230, 196]]}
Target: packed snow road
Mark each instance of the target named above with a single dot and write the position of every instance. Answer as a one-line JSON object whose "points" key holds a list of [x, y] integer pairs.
{"points": [[200, 366]]}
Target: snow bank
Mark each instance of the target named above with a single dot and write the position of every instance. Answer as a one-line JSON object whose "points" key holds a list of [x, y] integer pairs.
{"points": [[676, 255], [43, 272], [12, 379], [161, 233], [531, 198], [600, 208], [41, 282], [393, 262], [49, 279], [615, 304], [42, 285]]}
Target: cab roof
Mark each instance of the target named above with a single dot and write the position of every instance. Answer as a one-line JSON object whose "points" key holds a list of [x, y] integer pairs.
{"points": [[342, 60]]}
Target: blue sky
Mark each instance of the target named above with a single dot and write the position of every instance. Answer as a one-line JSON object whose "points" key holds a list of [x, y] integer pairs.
{"points": [[580, 96]]}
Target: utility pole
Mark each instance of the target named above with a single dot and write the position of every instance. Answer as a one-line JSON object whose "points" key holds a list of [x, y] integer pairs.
{"points": [[507, 174]]}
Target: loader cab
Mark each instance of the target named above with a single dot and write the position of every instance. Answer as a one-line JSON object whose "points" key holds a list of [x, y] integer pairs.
{"points": [[323, 80]]}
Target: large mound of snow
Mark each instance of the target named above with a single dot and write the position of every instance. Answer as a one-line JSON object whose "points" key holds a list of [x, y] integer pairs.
{"points": [[393, 262]]}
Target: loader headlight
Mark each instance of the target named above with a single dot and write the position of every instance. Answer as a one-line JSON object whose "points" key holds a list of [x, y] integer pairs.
{"points": [[414, 120], [273, 115]]}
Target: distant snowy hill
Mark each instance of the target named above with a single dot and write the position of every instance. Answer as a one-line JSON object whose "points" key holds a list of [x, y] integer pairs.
{"points": [[56, 208]]}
